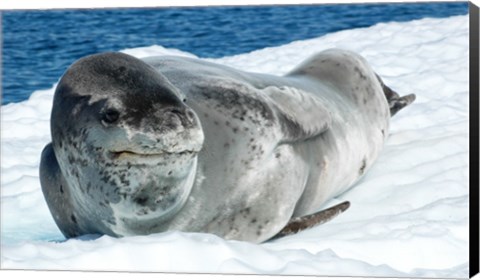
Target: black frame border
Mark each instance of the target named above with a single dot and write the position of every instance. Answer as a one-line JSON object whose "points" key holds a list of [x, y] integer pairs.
{"points": [[474, 140]]}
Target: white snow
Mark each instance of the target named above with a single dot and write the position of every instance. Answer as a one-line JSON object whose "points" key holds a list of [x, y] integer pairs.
{"points": [[409, 214]]}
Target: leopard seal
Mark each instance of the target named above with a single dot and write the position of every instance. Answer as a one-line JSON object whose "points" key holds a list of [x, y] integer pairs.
{"points": [[141, 146]]}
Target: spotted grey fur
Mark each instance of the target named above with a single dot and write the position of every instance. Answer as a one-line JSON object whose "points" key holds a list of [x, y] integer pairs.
{"points": [[170, 143]]}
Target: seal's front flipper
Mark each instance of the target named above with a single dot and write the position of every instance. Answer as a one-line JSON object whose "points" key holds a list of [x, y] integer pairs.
{"points": [[57, 194], [298, 224], [301, 114]]}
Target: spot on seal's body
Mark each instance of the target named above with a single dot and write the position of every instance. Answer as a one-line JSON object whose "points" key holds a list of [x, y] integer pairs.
{"points": [[361, 171]]}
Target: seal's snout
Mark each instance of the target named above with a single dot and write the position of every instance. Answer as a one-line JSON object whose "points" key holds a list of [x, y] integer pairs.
{"points": [[171, 119], [174, 119], [166, 130], [185, 116]]}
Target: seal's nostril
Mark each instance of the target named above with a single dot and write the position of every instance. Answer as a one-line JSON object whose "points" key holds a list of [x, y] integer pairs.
{"points": [[176, 111], [190, 115]]}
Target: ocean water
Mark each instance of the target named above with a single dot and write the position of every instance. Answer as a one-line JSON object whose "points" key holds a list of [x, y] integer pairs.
{"points": [[38, 46]]}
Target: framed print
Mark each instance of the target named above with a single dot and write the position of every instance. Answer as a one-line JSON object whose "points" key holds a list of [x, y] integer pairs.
{"points": [[326, 139]]}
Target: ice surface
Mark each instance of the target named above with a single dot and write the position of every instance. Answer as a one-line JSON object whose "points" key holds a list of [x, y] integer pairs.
{"points": [[409, 214]]}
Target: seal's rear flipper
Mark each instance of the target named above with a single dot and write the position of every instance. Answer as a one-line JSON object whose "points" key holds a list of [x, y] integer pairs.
{"points": [[399, 103], [395, 102], [298, 224]]}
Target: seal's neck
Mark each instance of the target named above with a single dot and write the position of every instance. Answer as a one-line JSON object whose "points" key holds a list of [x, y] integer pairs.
{"points": [[152, 205]]}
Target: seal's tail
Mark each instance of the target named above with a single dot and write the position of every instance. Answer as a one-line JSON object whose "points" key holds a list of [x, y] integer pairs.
{"points": [[395, 101]]}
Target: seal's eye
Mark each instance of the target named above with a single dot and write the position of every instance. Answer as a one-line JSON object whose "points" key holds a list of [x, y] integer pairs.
{"points": [[110, 116]]}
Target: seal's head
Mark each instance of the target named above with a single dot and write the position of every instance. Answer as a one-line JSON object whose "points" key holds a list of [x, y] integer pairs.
{"points": [[125, 140]]}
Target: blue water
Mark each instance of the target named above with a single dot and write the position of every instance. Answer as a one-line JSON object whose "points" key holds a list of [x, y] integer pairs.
{"points": [[38, 46]]}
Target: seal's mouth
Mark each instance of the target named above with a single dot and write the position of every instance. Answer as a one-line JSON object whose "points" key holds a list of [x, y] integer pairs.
{"points": [[126, 154]]}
